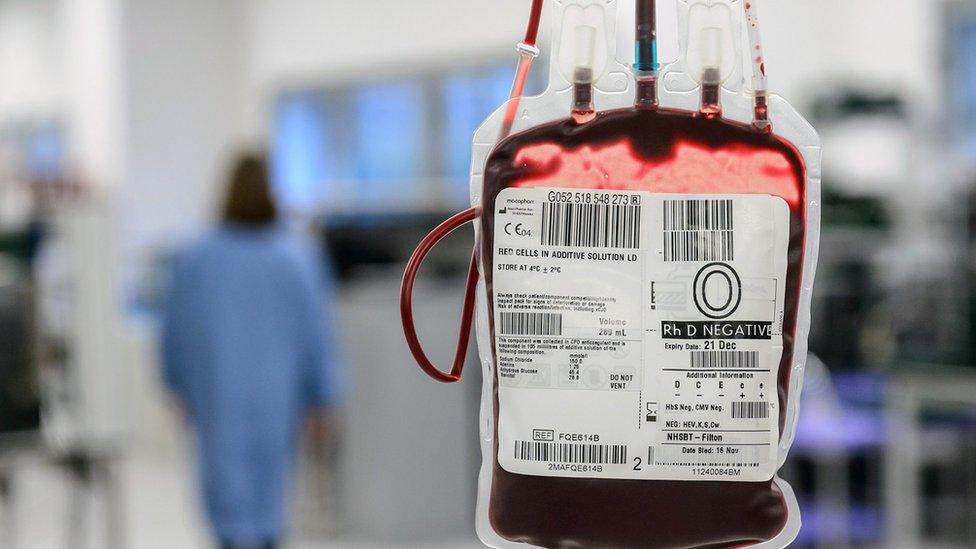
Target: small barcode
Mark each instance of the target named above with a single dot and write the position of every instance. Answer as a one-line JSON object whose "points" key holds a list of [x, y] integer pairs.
{"points": [[591, 225], [595, 454], [725, 359], [535, 324], [698, 230], [750, 410]]}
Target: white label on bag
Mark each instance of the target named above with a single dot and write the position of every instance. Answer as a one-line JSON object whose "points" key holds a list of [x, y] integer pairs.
{"points": [[639, 335]]}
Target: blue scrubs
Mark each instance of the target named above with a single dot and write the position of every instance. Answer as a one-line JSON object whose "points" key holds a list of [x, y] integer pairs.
{"points": [[247, 346]]}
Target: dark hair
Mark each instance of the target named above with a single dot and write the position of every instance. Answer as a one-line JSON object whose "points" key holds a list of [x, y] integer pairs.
{"points": [[249, 200]]}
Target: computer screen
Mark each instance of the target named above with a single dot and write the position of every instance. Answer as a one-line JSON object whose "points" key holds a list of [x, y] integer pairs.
{"points": [[390, 146], [468, 98], [390, 125], [961, 84], [306, 168]]}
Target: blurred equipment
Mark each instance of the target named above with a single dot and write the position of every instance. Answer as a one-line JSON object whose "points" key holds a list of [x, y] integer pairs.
{"points": [[363, 243], [79, 329], [61, 375], [930, 468], [401, 483], [26, 162], [19, 405], [960, 46], [83, 380], [837, 450], [866, 129]]}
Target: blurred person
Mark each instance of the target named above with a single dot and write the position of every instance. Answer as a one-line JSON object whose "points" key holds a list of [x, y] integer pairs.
{"points": [[246, 349]]}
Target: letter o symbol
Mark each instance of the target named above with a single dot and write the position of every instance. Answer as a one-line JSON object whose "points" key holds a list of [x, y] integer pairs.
{"points": [[718, 291]]}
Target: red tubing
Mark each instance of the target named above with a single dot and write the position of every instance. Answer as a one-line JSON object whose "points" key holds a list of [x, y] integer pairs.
{"points": [[449, 226], [535, 18], [467, 311], [524, 67], [525, 64]]}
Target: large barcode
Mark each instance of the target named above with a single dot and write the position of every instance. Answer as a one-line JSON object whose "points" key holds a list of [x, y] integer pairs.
{"points": [[591, 225], [595, 454], [750, 410], [534, 324], [699, 230], [725, 359]]}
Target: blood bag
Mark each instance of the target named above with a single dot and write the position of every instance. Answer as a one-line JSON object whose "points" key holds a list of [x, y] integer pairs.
{"points": [[646, 246]]}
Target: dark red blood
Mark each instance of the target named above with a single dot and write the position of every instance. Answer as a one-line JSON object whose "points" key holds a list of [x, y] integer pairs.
{"points": [[656, 151]]}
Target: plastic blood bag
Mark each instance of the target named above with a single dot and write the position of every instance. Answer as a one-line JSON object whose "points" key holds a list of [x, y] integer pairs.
{"points": [[646, 273], [608, 174]]}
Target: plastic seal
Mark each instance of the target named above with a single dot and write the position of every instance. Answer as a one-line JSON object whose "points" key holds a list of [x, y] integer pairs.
{"points": [[527, 49], [711, 53], [584, 50]]}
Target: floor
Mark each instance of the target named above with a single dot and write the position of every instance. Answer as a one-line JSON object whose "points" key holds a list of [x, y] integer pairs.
{"points": [[159, 510]]}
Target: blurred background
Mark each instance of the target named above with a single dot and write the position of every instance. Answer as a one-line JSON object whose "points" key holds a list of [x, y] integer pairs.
{"points": [[119, 119]]}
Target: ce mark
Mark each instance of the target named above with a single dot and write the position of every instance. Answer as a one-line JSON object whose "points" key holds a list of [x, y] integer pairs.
{"points": [[517, 229]]}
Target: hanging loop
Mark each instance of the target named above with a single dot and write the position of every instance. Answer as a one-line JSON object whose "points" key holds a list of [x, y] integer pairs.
{"points": [[467, 310]]}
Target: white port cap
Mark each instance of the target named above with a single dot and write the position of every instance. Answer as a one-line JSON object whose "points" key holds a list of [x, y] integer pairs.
{"points": [[584, 46], [711, 47]]}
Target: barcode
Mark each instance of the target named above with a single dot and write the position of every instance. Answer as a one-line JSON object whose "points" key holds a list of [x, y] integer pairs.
{"points": [[591, 225], [725, 359], [597, 454], [536, 324], [698, 230], [750, 410]]}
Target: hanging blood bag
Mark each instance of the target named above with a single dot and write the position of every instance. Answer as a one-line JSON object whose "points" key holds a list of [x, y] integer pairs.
{"points": [[646, 246]]}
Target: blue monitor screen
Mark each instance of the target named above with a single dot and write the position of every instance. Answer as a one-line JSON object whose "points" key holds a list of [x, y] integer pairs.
{"points": [[468, 99], [390, 126], [361, 147], [384, 145], [45, 153], [305, 165], [963, 79]]}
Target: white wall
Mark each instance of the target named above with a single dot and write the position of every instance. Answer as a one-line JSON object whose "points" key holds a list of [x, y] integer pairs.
{"points": [[813, 43], [93, 102], [183, 67], [334, 38], [30, 63], [292, 42]]}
